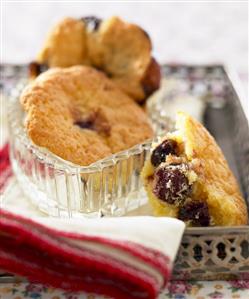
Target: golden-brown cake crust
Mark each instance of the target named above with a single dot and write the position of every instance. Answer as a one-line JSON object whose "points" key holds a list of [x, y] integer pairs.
{"points": [[121, 50], [80, 115], [216, 184], [65, 45], [223, 195]]}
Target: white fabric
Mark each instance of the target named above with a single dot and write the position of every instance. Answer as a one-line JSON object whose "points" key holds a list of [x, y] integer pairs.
{"points": [[163, 234]]}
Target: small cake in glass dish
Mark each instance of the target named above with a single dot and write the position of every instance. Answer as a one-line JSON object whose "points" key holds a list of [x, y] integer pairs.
{"points": [[119, 49], [187, 177], [78, 143], [81, 116]]}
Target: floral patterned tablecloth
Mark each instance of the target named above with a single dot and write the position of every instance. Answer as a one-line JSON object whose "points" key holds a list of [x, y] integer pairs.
{"points": [[177, 290]]}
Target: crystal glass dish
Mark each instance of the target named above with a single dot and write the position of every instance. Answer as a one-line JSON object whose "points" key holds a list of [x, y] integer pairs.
{"points": [[60, 188]]}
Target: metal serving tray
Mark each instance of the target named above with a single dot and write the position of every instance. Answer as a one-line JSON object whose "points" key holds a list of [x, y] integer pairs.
{"points": [[217, 252], [214, 252]]}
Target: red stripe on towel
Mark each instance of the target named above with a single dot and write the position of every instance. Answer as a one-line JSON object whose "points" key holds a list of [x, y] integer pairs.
{"points": [[60, 280], [59, 247], [151, 256], [40, 253], [5, 167]]}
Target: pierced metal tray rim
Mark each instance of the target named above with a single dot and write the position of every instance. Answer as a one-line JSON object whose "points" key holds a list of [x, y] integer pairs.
{"points": [[215, 230]]}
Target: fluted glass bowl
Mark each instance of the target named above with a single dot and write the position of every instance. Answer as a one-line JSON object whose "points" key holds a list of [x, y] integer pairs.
{"points": [[60, 188]]}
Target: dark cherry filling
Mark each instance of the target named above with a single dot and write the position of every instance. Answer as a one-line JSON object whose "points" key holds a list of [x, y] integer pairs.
{"points": [[95, 121], [87, 124], [196, 212], [92, 22], [36, 68], [152, 78], [161, 151], [171, 184]]}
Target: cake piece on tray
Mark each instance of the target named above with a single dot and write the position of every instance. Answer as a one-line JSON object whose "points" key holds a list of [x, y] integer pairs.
{"points": [[187, 177]]}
